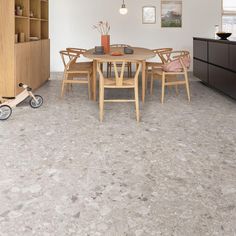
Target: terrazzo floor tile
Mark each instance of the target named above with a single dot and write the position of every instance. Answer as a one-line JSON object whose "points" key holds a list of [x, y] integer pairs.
{"points": [[63, 173]]}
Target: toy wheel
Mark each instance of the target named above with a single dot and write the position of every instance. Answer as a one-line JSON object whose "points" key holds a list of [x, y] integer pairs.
{"points": [[36, 104], [5, 112]]}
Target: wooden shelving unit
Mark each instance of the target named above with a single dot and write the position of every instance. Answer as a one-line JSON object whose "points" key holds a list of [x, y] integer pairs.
{"points": [[34, 20], [44, 10], [25, 51]]}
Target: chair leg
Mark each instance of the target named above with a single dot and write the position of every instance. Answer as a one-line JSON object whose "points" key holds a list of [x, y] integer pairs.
{"points": [[163, 87], [62, 89], [101, 102], [89, 86], [102, 67], [69, 86], [151, 84], [147, 74], [63, 85], [187, 85], [107, 69], [110, 68], [130, 70], [176, 89], [176, 86], [136, 102]]}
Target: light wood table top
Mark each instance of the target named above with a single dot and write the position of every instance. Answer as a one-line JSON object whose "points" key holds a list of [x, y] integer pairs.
{"points": [[140, 54]]}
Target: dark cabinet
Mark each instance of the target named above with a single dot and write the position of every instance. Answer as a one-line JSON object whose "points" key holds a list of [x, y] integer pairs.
{"points": [[216, 66], [223, 80], [200, 70], [219, 54], [232, 79], [200, 49], [218, 78], [232, 57]]}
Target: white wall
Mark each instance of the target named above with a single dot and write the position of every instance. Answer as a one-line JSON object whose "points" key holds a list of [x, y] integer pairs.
{"points": [[71, 24]]}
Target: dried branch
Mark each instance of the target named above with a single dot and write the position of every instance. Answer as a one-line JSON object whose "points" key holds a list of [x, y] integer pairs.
{"points": [[102, 27]]}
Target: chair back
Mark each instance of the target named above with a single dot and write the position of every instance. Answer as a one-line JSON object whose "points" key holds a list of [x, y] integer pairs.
{"points": [[158, 52], [119, 74], [176, 61], [68, 58], [79, 51]]}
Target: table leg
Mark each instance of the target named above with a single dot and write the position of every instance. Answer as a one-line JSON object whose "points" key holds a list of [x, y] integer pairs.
{"points": [[94, 83], [143, 80]]}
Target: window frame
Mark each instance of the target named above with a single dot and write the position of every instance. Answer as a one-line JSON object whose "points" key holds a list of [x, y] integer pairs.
{"points": [[225, 13]]}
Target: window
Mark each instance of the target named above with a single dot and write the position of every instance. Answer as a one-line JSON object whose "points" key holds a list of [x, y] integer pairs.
{"points": [[229, 16]]}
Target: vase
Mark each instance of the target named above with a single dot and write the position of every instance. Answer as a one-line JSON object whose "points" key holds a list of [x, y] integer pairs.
{"points": [[105, 42], [19, 11]]}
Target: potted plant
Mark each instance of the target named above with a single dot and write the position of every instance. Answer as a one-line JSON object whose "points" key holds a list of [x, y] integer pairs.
{"points": [[103, 28]]}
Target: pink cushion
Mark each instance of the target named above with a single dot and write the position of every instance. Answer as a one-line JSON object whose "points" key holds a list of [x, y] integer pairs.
{"points": [[175, 65]]}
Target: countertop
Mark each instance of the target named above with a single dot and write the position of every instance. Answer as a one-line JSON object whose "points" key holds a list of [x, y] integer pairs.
{"points": [[216, 40]]}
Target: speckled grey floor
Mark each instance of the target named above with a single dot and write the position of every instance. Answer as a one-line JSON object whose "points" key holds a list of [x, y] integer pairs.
{"points": [[64, 173]]}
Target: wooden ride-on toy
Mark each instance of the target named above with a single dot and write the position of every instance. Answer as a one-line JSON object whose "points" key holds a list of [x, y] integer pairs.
{"points": [[36, 101]]}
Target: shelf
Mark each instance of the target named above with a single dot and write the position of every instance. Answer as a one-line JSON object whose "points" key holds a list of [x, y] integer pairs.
{"points": [[21, 17], [32, 18], [30, 41], [21, 43]]}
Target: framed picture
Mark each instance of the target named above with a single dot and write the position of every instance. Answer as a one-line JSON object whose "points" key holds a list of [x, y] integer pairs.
{"points": [[171, 14], [149, 15]]}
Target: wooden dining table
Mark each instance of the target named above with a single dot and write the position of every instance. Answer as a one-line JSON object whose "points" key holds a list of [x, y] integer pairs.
{"points": [[140, 54]]}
